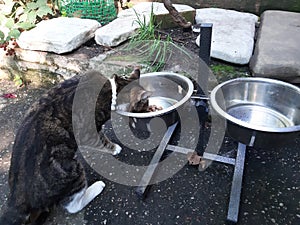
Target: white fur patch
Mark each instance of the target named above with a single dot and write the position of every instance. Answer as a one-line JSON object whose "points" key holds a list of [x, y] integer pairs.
{"points": [[118, 149], [84, 197], [114, 93]]}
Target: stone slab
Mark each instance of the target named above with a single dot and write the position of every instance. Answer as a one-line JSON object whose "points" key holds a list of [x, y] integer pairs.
{"points": [[144, 8], [118, 31], [58, 35], [126, 25], [165, 21], [232, 34], [27, 62], [277, 51], [161, 14]]}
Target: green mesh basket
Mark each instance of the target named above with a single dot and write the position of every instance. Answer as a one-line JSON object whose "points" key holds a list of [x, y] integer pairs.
{"points": [[103, 11]]}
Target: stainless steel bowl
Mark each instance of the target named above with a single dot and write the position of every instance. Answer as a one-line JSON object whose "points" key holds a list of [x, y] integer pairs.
{"points": [[169, 91], [260, 111]]}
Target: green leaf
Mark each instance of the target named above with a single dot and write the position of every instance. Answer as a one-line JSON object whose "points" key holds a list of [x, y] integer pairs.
{"points": [[31, 17], [41, 3], [18, 80], [25, 25], [10, 23], [2, 36], [64, 13], [43, 11], [23, 17], [15, 33], [32, 6]]}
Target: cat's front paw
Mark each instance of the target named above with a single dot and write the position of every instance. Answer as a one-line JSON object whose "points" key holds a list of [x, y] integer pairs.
{"points": [[96, 188], [117, 150], [99, 185]]}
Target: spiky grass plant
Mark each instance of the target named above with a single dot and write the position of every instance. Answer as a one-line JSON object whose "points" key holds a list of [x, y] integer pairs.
{"points": [[155, 54]]}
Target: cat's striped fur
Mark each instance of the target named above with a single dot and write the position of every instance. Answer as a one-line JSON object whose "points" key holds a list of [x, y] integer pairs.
{"points": [[44, 170]]}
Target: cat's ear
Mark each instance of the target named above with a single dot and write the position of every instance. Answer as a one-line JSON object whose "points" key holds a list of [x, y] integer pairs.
{"points": [[117, 78], [146, 94], [114, 77], [135, 74]]}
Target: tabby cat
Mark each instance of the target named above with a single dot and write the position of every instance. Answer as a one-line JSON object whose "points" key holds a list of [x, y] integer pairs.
{"points": [[139, 100], [44, 170]]}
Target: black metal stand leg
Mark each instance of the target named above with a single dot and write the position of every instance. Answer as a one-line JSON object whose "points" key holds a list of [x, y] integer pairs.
{"points": [[205, 42], [234, 202], [143, 187]]}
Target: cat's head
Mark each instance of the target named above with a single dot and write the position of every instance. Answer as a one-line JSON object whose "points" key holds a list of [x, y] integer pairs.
{"points": [[121, 82], [138, 97]]}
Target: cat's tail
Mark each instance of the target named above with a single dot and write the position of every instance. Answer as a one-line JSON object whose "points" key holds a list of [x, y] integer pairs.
{"points": [[13, 216]]}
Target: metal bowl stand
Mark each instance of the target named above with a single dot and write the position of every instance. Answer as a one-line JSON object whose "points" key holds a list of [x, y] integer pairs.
{"points": [[238, 163]]}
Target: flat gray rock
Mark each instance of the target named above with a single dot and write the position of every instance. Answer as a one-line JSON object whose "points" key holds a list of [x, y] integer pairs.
{"points": [[117, 31], [59, 35], [144, 8], [277, 51], [126, 25], [232, 35]]}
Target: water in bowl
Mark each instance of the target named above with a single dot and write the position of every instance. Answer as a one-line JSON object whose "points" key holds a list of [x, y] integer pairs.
{"points": [[258, 115]]}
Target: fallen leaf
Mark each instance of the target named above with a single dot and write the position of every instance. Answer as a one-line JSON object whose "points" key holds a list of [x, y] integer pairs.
{"points": [[9, 95], [193, 158]]}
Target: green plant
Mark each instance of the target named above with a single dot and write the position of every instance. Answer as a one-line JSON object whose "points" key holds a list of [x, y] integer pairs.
{"points": [[225, 72], [219, 68], [157, 52], [146, 30], [18, 16], [18, 80]]}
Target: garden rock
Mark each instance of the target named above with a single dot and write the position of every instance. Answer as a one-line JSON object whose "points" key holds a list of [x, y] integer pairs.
{"points": [[232, 33], [59, 35], [160, 13], [144, 8], [118, 31], [277, 53], [127, 23]]}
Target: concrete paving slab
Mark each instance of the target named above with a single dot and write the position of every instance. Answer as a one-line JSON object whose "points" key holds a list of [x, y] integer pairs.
{"points": [[118, 31], [128, 22], [144, 8], [277, 51], [59, 35], [161, 14], [232, 33]]}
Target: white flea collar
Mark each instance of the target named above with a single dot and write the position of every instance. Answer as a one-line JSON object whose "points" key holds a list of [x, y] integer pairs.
{"points": [[114, 93]]}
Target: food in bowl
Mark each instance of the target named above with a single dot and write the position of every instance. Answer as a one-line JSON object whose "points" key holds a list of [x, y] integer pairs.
{"points": [[154, 108]]}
